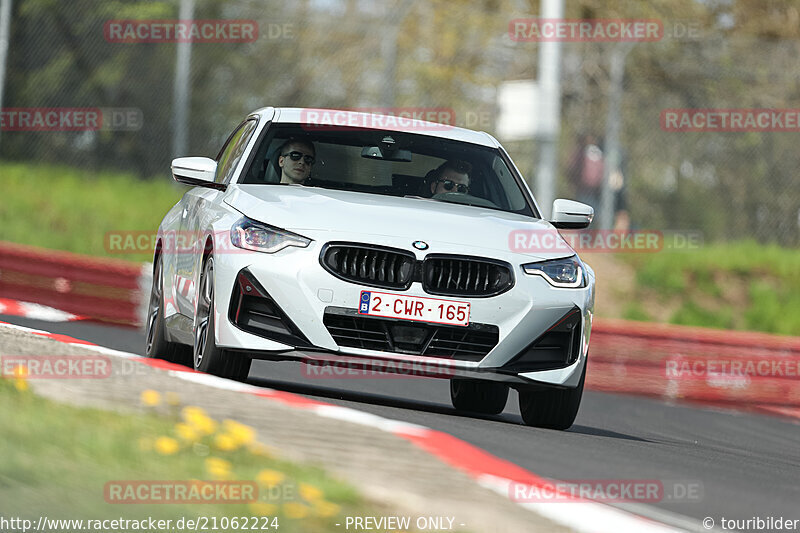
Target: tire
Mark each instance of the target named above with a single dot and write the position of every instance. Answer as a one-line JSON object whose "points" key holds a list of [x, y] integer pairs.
{"points": [[553, 408], [156, 344], [483, 397], [206, 356]]}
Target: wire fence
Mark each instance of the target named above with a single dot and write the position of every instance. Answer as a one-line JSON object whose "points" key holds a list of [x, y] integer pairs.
{"points": [[678, 168]]}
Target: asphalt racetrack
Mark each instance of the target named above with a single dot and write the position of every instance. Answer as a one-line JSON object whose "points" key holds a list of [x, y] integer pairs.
{"points": [[712, 463]]}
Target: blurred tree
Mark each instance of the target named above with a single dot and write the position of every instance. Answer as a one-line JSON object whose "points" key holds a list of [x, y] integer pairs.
{"points": [[451, 54]]}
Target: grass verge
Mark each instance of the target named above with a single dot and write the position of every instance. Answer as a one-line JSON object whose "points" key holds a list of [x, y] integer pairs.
{"points": [[75, 210], [742, 285], [58, 460]]}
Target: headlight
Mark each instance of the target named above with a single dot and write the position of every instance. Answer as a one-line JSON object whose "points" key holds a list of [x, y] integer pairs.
{"points": [[258, 237], [567, 273]]}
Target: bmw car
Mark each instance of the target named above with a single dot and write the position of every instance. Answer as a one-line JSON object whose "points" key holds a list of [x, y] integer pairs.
{"points": [[324, 235]]}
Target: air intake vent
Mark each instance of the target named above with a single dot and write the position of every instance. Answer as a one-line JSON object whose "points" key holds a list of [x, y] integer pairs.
{"points": [[465, 276], [253, 310], [558, 347], [374, 266]]}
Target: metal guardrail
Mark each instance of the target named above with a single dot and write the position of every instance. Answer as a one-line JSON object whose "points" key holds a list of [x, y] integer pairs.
{"points": [[740, 369], [106, 290]]}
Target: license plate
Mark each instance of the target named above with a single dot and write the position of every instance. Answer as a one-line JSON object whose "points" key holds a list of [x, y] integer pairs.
{"points": [[415, 308]]}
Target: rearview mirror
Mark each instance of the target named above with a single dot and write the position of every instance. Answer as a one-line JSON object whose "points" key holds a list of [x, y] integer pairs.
{"points": [[198, 171], [386, 154], [569, 214]]}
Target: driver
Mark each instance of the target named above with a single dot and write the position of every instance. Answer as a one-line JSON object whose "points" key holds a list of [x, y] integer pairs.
{"points": [[450, 176], [297, 157]]}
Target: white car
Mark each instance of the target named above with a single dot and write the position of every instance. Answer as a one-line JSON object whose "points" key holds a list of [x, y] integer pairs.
{"points": [[376, 241]]}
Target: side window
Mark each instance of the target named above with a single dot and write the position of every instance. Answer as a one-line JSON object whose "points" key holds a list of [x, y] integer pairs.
{"points": [[515, 199], [233, 150]]}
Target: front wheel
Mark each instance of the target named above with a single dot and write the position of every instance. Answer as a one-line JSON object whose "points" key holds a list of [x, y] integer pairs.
{"points": [[207, 356], [484, 397], [552, 408], [157, 345]]}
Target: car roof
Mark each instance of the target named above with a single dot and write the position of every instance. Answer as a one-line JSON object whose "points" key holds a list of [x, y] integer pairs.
{"points": [[375, 121]]}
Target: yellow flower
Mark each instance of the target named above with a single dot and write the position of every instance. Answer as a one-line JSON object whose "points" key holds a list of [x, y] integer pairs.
{"points": [[263, 509], [225, 442], [192, 412], [197, 418], [20, 372], [295, 510], [206, 425], [310, 492], [150, 398], [166, 445], [268, 478], [325, 509], [241, 433], [219, 468], [187, 432]]}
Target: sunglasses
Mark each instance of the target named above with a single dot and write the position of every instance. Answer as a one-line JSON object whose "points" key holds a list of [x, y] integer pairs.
{"points": [[295, 156], [449, 185]]}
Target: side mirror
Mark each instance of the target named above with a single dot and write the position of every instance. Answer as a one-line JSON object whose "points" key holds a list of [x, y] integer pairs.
{"points": [[197, 171], [568, 214]]}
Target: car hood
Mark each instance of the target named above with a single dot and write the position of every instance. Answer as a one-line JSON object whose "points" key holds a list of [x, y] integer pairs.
{"points": [[313, 210]]}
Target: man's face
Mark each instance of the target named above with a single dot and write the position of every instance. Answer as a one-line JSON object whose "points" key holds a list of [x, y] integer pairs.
{"points": [[448, 174], [295, 171]]}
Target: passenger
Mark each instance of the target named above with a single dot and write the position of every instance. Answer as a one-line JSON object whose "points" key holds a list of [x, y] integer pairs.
{"points": [[296, 159]]}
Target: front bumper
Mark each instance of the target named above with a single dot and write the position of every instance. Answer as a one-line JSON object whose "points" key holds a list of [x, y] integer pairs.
{"points": [[306, 294]]}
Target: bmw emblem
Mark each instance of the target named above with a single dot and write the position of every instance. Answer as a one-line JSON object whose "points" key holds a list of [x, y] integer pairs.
{"points": [[420, 245]]}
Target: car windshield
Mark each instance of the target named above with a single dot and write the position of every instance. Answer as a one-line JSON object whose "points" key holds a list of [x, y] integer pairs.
{"points": [[391, 163]]}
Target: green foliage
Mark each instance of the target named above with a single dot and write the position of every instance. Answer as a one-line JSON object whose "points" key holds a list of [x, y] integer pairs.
{"points": [[69, 209], [635, 311], [773, 308], [741, 285], [693, 314], [667, 275], [704, 281]]}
